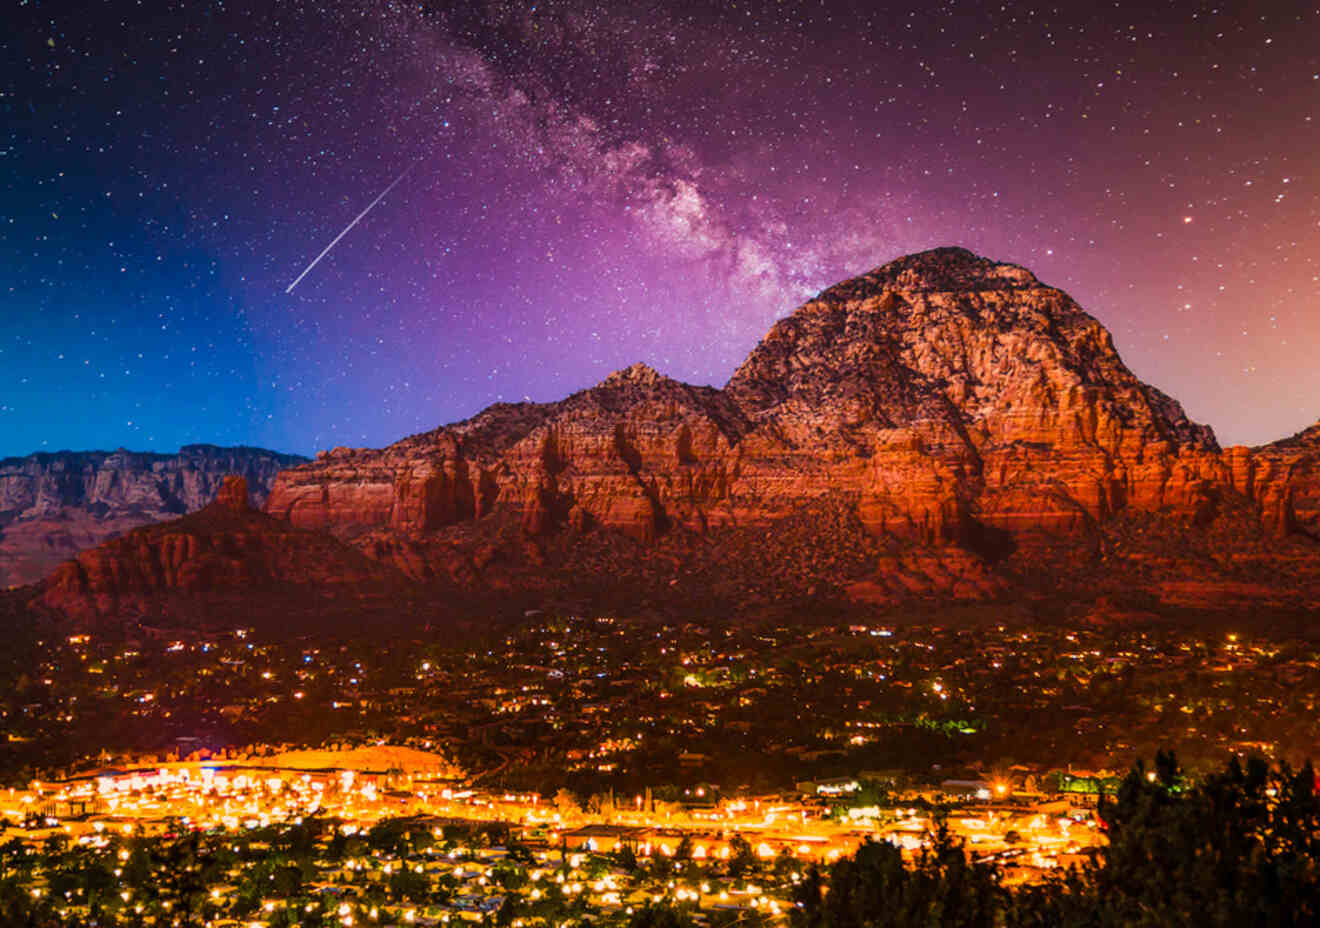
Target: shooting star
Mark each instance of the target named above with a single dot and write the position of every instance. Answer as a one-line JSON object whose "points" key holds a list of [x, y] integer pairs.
{"points": [[370, 207]]}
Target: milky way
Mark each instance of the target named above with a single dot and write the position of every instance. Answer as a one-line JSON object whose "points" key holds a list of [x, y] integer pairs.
{"points": [[597, 184]]}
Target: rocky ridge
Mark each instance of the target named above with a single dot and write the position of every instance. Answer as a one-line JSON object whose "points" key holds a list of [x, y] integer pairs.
{"points": [[964, 415], [53, 505], [942, 427]]}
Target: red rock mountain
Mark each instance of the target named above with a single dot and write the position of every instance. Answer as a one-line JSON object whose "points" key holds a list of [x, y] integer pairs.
{"points": [[953, 412], [943, 426]]}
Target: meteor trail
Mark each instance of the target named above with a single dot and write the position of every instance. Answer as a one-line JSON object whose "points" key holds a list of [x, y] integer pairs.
{"points": [[317, 259]]}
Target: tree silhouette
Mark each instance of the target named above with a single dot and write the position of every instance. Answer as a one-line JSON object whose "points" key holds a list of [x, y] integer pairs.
{"points": [[1239, 848], [876, 888]]}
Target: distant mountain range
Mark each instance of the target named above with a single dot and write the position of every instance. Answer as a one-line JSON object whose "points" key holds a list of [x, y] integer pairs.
{"points": [[943, 428]]}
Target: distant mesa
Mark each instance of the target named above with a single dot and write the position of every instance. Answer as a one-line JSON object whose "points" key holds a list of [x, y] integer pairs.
{"points": [[944, 428]]}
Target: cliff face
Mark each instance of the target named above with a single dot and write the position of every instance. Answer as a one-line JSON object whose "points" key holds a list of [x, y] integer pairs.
{"points": [[1283, 479], [943, 401], [638, 453], [958, 395], [54, 505]]}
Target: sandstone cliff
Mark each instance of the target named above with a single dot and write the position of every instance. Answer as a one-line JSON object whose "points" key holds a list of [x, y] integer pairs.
{"points": [[54, 505], [1283, 478]]}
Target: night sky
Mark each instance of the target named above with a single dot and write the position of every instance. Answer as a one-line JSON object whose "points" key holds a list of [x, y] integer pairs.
{"points": [[581, 186]]}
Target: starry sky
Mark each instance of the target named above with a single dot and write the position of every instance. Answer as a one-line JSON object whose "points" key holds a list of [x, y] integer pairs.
{"points": [[574, 186]]}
